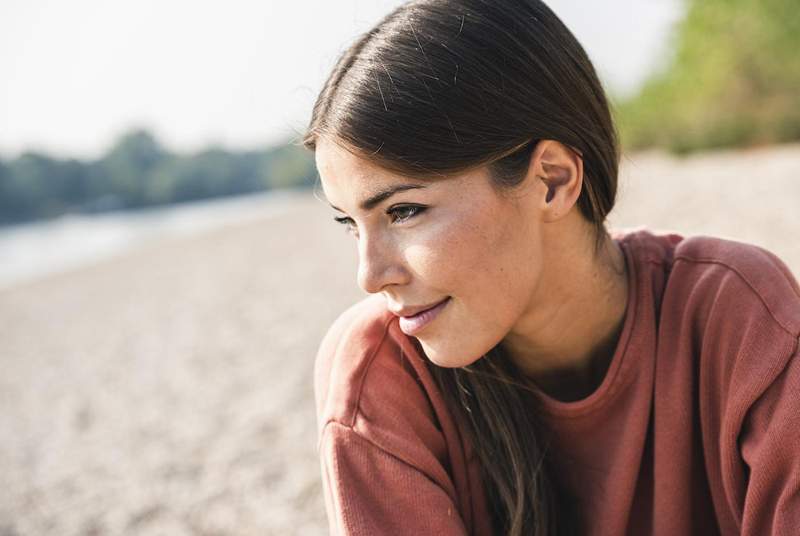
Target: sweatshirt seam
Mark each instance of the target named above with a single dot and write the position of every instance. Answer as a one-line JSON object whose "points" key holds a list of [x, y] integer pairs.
{"points": [[361, 436], [362, 377], [777, 369], [790, 332], [350, 413], [328, 487], [388, 452]]}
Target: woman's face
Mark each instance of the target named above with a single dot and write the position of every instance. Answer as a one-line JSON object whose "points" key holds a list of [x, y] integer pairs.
{"points": [[456, 243]]}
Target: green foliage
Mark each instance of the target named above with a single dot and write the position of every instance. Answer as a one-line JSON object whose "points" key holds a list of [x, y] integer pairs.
{"points": [[130, 165], [282, 164], [138, 172], [734, 80]]}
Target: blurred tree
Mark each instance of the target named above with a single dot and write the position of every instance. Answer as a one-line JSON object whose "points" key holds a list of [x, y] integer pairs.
{"points": [[733, 80], [8, 211], [289, 165], [137, 172], [32, 177], [129, 167]]}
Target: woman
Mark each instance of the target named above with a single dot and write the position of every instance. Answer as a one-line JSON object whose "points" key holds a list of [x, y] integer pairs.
{"points": [[520, 371]]}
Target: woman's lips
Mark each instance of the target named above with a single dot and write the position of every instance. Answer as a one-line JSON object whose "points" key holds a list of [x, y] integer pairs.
{"points": [[410, 325]]}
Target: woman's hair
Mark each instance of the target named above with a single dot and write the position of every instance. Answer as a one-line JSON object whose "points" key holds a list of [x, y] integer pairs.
{"points": [[439, 87]]}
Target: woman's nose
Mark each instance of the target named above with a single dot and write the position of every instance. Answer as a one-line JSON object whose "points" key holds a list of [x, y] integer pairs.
{"points": [[379, 264]]}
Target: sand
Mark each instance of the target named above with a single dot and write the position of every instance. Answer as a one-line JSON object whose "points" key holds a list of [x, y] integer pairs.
{"points": [[169, 390]]}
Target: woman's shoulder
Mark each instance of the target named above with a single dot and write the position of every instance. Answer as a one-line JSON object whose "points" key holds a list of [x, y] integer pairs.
{"points": [[743, 302], [737, 276], [347, 348], [733, 308], [372, 378], [706, 272]]}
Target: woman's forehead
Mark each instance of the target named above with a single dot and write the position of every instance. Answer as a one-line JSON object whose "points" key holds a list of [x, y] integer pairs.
{"points": [[354, 183], [355, 179], [335, 163]]}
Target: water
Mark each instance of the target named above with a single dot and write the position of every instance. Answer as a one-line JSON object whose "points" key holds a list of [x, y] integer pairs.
{"points": [[32, 250]]}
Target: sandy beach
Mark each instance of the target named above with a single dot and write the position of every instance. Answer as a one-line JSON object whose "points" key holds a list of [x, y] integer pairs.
{"points": [[169, 390]]}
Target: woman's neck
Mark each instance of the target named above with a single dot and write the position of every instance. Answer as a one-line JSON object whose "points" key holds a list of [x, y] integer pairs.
{"points": [[566, 342]]}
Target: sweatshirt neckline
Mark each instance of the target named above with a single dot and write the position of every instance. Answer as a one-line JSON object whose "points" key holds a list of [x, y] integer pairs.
{"points": [[617, 372]]}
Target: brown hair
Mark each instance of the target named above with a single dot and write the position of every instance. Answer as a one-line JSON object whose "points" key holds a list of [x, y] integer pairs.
{"points": [[443, 86]]}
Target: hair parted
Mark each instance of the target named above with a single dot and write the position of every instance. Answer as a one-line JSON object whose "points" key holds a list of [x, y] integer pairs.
{"points": [[442, 86]]}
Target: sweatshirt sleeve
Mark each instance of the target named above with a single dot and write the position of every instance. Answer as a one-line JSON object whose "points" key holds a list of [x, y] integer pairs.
{"points": [[370, 492], [770, 448]]}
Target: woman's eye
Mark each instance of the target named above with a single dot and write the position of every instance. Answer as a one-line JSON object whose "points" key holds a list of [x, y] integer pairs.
{"points": [[404, 212], [349, 224], [397, 214]]}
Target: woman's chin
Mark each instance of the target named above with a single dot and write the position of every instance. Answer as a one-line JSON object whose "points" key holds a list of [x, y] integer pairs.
{"points": [[448, 355]]}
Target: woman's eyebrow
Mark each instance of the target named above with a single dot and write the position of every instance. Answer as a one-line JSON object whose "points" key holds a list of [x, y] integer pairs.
{"points": [[381, 196]]}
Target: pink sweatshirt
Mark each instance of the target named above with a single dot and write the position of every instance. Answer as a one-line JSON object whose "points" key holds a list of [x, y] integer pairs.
{"points": [[694, 430]]}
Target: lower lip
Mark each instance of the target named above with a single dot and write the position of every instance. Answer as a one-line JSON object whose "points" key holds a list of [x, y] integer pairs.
{"points": [[411, 325]]}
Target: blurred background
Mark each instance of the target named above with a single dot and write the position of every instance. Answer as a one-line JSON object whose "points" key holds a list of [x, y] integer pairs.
{"points": [[167, 272]]}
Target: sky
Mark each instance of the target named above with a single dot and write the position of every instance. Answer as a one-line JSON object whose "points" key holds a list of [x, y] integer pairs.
{"points": [[237, 73]]}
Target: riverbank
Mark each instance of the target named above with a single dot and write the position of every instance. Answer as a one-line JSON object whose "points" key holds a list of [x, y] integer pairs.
{"points": [[32, 250]]}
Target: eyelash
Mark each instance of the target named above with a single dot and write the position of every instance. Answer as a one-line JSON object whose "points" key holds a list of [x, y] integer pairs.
{"points": [[410, 210]]}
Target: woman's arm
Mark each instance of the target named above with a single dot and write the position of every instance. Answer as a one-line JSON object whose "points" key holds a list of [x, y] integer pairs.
{"points": [[770, 448], [371, 492], [392, 459]]}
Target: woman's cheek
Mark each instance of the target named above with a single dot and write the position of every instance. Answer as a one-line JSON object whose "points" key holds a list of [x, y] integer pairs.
{"points": [[433, 249], [427, 260]]}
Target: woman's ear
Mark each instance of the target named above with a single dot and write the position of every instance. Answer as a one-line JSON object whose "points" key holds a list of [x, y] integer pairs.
{"points": [[558, 170]]}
